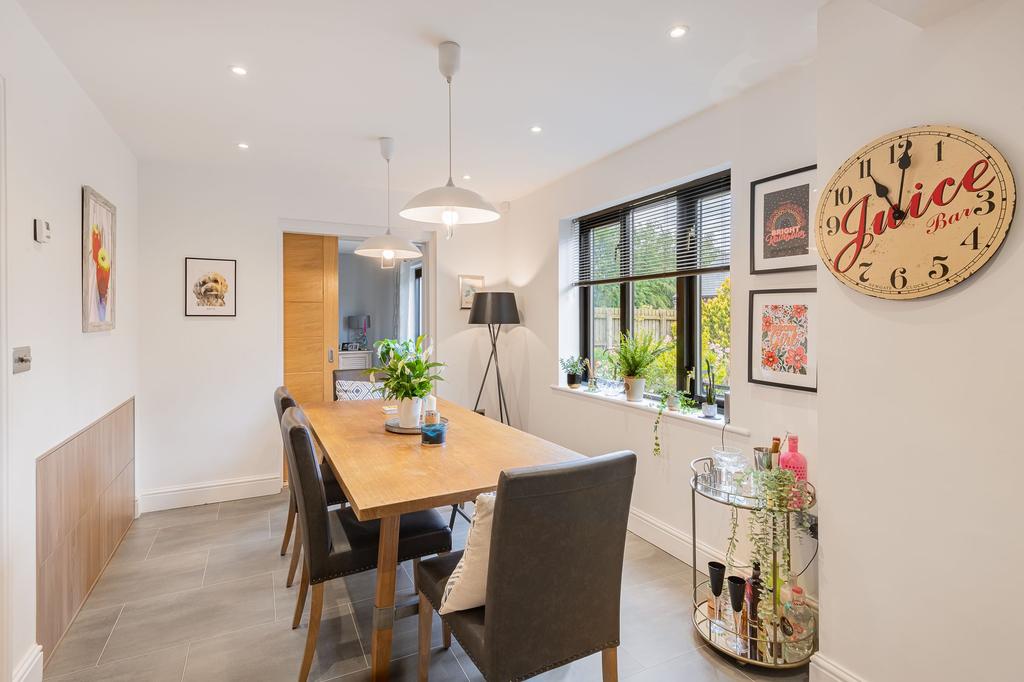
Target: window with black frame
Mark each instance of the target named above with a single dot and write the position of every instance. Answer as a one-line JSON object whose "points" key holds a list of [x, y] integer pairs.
{"points": [[660, 264]]}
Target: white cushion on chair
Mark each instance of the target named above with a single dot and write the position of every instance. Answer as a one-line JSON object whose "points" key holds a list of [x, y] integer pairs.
{"points": [[467, 586], [354, 390]]}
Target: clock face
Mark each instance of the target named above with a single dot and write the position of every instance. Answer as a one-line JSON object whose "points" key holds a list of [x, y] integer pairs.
{"points": [[915, 212]]}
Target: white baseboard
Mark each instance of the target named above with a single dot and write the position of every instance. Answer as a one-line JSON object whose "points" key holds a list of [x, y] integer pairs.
{"points": [[671, 539], [30, 668], [173, 497], [824, 669]]}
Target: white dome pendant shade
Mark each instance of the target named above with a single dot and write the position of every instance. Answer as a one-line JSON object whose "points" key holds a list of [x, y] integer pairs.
{"points": [[387, 246], [449, 205]]}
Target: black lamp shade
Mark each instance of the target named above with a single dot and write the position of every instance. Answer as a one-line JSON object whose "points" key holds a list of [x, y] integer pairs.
{"points": [[494, 307]]}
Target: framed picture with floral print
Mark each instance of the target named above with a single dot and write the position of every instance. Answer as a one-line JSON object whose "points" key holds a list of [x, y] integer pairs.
{"points": [[783, 338]]}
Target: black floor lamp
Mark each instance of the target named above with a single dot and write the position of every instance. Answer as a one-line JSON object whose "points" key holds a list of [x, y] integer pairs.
{"points": [[494, 308]]}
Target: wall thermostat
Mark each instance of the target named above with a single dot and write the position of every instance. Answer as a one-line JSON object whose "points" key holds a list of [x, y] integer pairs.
{"points": [[41, 230]]}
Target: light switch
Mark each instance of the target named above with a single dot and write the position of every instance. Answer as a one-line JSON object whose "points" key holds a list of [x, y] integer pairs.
{"points": [[22, 359], [41, 230]]}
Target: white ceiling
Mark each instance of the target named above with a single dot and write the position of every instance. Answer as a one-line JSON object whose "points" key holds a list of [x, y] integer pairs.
{"points": [[327, 77]]}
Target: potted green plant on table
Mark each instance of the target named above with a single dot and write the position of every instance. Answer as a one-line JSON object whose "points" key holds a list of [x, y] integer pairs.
{"points": [[573, 368], [408, 376], [710, 406], [633, 359]]}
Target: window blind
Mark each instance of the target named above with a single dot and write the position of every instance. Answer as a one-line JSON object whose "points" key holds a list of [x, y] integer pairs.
{"points": [[682, 231]]}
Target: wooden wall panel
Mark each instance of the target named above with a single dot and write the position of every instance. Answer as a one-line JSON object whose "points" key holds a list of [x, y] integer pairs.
{"points": [[85, 502]]}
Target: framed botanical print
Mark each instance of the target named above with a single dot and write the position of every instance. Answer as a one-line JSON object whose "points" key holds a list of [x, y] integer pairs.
{"points": [[210, 287], [780, 212], [99, 284], [468, 286], [783, 338]]}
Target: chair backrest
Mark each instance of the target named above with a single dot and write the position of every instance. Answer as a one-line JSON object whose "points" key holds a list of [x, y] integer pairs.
{"points": [[308, 487], [555, 572], [282, 401], [346, 389]]}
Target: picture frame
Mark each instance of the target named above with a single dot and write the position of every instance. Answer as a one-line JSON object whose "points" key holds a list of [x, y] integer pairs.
{"points": [[782, 338], [99, 261], [211, 288], [468, 286], [781, 211]]}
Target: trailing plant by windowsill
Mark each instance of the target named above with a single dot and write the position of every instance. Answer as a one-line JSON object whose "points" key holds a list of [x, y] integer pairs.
{"points": [[685, 405]]}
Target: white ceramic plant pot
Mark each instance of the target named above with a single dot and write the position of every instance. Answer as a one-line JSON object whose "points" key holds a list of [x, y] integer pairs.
{"points": [[409, 412], [709, 409], [634, 388], [673, 404]]}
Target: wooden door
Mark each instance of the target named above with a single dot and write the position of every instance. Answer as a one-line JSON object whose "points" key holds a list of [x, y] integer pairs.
{"points": [[310, 316]]}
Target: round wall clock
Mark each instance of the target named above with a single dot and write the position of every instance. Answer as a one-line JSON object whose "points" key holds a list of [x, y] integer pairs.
{"points": [[915, 212]]}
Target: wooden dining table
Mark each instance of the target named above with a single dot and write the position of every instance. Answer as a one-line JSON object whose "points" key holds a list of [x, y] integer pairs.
{"points": [[385, 475]]}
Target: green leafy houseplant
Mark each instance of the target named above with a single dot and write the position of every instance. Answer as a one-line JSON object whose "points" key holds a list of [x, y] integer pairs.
{"points": [[685, 404], [633, 359], [406, 369], [573, 365], [573, 368], [712, 394]]}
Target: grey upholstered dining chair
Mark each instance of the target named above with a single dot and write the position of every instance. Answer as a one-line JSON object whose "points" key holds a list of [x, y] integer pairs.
{"points": [[335, 543], [332, 488], [554, 576]]}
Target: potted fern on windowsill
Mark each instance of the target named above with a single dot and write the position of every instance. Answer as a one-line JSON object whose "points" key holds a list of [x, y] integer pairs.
{"points": [[634, 358]]}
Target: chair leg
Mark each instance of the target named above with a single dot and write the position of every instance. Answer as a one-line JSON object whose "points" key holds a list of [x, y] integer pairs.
{"points": [[300, 602], [446, 635], [426, 620], [288, 527], [610, 665], [316, 609], [416, 574], [451, 521], [296, 549]]}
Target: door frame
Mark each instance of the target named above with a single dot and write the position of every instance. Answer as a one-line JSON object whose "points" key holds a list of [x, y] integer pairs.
{"points": [[5, 576]]}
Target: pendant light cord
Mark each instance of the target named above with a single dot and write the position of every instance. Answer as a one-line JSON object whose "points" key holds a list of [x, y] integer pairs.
{"points": [[449, 130], [389, 196]]}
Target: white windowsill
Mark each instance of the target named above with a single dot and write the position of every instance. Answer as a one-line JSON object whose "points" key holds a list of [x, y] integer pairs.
{"points": [[651, 407]]}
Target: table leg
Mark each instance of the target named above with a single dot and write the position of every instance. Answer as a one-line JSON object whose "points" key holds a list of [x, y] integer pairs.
{"points": [[384, 601]]}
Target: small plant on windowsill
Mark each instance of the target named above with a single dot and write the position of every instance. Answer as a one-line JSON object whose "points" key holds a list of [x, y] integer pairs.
{"points": [[633, 359], [573, 368], [710, 407]]}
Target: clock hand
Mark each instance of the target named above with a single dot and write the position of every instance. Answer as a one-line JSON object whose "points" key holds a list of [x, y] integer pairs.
{"points": [[883, 193], [904, 163]]}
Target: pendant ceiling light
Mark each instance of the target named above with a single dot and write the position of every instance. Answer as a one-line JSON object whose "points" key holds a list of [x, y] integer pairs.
{"points": [[387, 246], [449, 204]]}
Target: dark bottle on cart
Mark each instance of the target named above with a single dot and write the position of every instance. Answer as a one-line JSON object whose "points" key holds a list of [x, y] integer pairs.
{"points": [[753, 596]]}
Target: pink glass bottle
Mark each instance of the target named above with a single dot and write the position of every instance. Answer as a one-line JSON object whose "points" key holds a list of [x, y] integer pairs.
{"points": [[794, 460]]}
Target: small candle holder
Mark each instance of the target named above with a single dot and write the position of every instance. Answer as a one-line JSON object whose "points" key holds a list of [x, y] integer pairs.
{"points": [[434, 435]]}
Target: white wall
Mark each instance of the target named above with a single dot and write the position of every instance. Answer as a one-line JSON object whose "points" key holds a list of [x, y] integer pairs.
{"points": [[365, 289], [57, 141], [206, 420], [919, 401], [763, 131]]}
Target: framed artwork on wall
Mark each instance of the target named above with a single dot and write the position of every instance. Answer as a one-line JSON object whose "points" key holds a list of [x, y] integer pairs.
{"points": [[783, 338], [780, 212], [99, 224], [210, 287], [468, 286]]}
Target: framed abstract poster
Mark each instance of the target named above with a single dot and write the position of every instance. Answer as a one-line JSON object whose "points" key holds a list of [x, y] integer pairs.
{"points": [[783, 338], [780, 212], [468, 286], [99, 223], [210, 287]]}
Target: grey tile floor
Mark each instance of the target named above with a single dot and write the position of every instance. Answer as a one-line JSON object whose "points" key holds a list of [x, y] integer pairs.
{"points": [[198, 594]]}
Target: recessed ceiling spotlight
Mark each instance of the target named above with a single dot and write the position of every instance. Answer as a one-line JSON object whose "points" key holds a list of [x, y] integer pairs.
{"points": [[467, 177], [677, 32], [536, 129], [239, 70], [243, 145]]}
